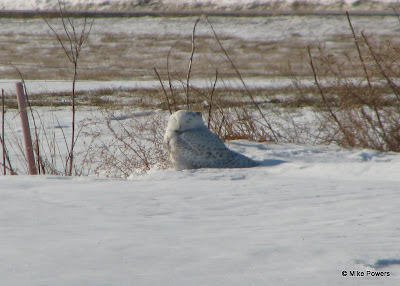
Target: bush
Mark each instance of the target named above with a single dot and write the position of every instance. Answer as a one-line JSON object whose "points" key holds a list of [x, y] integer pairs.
{"points": [[357, 112], [119, 143]]}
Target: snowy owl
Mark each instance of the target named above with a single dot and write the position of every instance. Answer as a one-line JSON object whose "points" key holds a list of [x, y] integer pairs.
{"points": [[191, 145]]}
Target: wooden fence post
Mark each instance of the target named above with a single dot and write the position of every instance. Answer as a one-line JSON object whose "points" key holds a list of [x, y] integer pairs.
{"points": [[3, 142], [25, 129]]}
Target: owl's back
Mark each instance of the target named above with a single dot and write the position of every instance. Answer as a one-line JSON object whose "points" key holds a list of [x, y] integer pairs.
{"points": [[200, 148]]}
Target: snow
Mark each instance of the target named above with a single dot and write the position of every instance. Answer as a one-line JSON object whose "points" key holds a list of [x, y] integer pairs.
{"points": [[303, 217], [171, 4], [47, 86]]}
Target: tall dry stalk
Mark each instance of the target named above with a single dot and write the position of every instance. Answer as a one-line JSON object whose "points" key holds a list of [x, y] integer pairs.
{"points": [[164, 91], [324, 98], [369, 81], [211, 100], [191, 63], [275, 135], [5, 157], [72, 48]]}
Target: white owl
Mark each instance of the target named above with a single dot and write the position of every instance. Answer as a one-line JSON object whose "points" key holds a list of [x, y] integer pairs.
{"points": [[191, 145]]}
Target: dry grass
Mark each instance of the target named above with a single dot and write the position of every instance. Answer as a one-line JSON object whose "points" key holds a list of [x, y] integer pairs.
{"points": [[123, 55]]}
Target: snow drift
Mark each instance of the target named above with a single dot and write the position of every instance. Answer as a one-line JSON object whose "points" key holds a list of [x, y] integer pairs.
{"points": [[309, 215]]}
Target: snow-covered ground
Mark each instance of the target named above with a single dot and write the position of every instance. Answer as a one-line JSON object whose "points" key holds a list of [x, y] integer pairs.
{"points": [[48, 86], [189, 4], [302, 218]]}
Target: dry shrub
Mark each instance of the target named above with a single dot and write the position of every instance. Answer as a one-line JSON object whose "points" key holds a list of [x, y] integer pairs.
{"points": [[227, 114], [357, 112], [120, 143]]}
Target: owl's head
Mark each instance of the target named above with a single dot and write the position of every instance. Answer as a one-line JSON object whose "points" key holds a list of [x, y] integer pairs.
{"points": [[183, 120]]}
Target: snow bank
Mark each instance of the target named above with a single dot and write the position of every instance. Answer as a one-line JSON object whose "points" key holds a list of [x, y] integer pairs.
{"points": [[304, 217]]}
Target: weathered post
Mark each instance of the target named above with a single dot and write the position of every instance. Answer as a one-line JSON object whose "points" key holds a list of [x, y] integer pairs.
{"points": [[25, 129], [3, 142]]}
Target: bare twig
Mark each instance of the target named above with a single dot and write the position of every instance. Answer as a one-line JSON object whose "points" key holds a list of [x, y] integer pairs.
{"points": [[171, 89], [322, 94], [138, 151], [358, 50], [190, 63], [165, 92], [211, 99], [397, 14], [275, 135], [373, 107], [66, 144], [390, 82]]}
